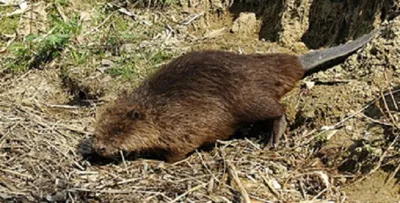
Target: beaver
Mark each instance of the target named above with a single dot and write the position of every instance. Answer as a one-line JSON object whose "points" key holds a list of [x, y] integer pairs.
{"points": [[204, 96]]}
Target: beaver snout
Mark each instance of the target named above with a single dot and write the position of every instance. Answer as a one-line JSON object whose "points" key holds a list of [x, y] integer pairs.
{"points": [[104, 149], [100, 148]]}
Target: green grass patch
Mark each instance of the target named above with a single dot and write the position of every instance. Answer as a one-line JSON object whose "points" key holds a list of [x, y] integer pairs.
{"points": [[36, 50], [78, 56], [148, 61], [8, 25], [118, 40]]}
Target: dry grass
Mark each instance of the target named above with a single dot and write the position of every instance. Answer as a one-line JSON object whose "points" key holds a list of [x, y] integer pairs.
{"points": [[40, 160]]}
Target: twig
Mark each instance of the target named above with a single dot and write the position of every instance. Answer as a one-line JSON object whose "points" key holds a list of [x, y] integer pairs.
{"points": [[303, 193], [270, 187], [135, 17], [181, 161], [102, 191], [388, 111], [378, 121], [62, 106], [14, 192], [16, 173], [233, 173], [169, 31], [298, 142], [378, 165], [58, 150], [391, 93], [9, 42], [319, 194], [187, 192], [71, 197], [60, 11], [205, 166], [190, 20], [326, 128], [127, 181], [100, 25], [252, 144], [8, 185], [344, 199], [214, 33], [87, 173], [393, 174], [123, 161]]}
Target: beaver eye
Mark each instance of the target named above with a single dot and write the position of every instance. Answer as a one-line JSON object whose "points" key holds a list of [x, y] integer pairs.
{"points": [[117, 132], [134, 115]]}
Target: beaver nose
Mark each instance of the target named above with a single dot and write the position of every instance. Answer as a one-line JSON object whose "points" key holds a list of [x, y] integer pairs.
{"points": [[101, 149]]}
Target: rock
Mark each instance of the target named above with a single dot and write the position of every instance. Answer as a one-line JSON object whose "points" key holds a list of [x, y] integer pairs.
{"points": [[246, 23], [57, 197]]}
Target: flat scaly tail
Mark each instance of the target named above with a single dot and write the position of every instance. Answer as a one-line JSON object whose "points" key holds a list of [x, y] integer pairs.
{"points": [[316, 58]]}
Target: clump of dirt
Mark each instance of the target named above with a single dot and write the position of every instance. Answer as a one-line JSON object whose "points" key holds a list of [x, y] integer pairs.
{"points": [[246, 23]]}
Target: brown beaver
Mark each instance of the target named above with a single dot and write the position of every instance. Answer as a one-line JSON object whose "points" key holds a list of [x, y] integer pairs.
{"points": [[204, 96]]}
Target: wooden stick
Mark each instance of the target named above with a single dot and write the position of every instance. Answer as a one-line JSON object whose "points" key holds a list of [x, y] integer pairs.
{"points": [[233, 173], [187, 192]]}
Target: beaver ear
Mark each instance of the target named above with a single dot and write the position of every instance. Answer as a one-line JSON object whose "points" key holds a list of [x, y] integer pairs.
{"points": [[134, 115]]}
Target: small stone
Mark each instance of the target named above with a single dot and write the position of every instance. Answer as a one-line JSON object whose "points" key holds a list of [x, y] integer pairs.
{"points": [[310, 85], [349, 127], [275, 184], [57, 197]]}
